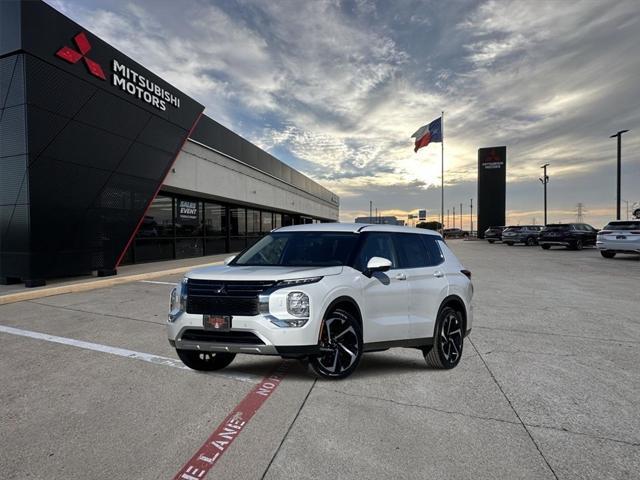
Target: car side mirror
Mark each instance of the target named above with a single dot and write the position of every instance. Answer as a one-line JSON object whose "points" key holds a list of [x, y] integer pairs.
{"points": [[377, 264], [228, 260]]}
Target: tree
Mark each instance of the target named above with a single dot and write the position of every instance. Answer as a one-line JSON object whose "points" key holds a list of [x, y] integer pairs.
{"points": [[429, 225]]}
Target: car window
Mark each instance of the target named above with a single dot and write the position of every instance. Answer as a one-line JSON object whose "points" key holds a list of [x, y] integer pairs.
{"points": [[376, 244], [411, 251], [436, 257], [623, 225]]}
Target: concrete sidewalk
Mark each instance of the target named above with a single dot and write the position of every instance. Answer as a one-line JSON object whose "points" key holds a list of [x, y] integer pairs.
{"points": [[126, 274]]}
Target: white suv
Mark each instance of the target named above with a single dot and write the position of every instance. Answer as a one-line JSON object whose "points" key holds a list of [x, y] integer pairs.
{"points": [[326, 293]]}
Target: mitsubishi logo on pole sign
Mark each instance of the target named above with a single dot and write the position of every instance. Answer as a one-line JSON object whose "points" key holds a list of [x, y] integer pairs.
{"points": [[123, 77]]}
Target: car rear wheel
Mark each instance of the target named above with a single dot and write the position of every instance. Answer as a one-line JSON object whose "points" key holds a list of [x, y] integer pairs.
{"points": [[491, 241], [545, 246], [205, 361], [341, 346], [447, 341], [531, 242], [509, 243], [607, 254], [577, 245]]}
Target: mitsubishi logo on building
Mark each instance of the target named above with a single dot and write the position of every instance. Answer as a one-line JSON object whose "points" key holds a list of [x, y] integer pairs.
{"points": [[74, 56]]}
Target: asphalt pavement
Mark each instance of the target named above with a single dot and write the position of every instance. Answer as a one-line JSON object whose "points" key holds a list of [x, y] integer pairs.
{"points": [[548, 387]]}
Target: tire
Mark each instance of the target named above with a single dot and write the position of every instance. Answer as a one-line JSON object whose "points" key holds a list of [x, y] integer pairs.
{"points": [[341, 344], [577, 245], [607, 254], [530, 242], [205, 361], [491, 241], [545, 246], [509, 243], [448, 341]]}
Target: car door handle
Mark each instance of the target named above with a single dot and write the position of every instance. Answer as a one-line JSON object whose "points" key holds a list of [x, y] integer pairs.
{"points": [[400, 276], [438, 274]]}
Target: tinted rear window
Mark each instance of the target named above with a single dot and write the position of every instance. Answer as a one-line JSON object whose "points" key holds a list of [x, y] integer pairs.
{"points": [[630, 225]]}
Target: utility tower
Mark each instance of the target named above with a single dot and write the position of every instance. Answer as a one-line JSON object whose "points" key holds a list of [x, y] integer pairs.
{"points": [[580, 211]]}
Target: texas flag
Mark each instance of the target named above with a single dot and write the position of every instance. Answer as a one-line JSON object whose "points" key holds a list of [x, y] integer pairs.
{"points": [[427, 134]]}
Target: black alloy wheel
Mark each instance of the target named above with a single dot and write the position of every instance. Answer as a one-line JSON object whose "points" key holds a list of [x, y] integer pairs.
{"points": [[531, 242], [205, 361], [607, 254], [340, 346], [448, 341], [577, 245]]}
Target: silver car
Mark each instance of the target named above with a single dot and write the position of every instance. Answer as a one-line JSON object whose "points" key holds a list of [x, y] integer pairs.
{"points": [[620, 236]]}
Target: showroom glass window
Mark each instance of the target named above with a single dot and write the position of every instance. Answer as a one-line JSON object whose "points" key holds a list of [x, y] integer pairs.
{"points": [[189, 228], [238, 233], [277, 220], [155, 236], [267, 222], [215, 228]]}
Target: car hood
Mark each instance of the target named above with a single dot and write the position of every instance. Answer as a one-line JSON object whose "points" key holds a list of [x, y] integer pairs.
{"points": [[226, 272]]}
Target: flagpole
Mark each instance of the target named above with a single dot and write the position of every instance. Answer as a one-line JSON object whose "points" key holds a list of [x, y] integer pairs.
{"points": [[442, 174]]}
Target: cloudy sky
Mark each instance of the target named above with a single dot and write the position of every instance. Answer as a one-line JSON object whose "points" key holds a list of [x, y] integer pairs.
{"points": [[336, 88]]}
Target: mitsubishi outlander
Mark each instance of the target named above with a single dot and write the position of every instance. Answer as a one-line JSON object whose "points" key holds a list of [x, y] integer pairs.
{"points": [[325, 294]]}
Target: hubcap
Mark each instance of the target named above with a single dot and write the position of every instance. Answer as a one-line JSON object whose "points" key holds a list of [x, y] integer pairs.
{"points": [[339, 345], [451, 338]]}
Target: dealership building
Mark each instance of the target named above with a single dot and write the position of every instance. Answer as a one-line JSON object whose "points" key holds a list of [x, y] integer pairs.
{"points": [[103, 163]]}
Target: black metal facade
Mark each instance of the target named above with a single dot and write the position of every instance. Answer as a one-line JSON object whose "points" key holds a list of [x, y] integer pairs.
{"points": [[492, 178], [80, 158]]}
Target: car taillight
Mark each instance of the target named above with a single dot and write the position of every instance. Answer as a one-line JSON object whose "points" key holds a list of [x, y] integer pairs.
{"points": [[605, 232], [466, 273]]}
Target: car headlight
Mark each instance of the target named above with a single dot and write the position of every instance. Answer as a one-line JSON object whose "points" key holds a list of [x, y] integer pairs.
{"points": [[298, 304], [298, 281], [178, 300]]}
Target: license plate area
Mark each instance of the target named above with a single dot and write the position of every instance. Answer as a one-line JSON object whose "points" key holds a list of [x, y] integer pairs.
{"points": [[621, 237], [218, 323]]}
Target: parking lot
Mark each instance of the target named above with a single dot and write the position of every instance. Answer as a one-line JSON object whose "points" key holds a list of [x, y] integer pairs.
{"points": [[548, 387]]}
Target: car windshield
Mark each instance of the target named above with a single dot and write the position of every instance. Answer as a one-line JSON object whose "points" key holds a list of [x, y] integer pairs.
{"points": [[558, 228], [630, 225], [297, 249]]}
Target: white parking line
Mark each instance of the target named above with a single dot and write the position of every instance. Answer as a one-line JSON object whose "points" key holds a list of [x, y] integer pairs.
{"points": [[173, 284], [121, 352]]}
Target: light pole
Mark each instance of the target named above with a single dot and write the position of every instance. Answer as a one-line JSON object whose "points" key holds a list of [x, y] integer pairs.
{"points": [[471, 215], [619, 136], [627, 202], [545, 180], [460, 215], [454, 217], [370, 211]]}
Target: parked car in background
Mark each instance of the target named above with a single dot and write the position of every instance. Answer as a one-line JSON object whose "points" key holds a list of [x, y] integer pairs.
{"points": [[571, 235], [493, 234], [527, 234], [455, 233], [620, 236]]}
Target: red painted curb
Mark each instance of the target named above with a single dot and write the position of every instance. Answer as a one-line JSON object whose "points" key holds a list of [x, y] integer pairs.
{"points": [[223, 436]]}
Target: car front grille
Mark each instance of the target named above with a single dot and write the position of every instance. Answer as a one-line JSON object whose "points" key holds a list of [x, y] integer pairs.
{"points": [[215, 297], [234, 336]]}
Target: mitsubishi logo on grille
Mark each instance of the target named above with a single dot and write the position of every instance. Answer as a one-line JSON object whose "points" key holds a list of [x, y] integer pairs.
{"points": [[221, 290], [74, 56]]}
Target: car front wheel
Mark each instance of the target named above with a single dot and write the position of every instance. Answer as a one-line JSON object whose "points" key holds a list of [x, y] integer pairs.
{"points": [[447, 341], [340, 346], [607, 254], [205, 361], [531, 242]]}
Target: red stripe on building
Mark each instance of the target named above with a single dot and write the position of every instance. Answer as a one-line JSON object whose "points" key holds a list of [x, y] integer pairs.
{"points": [[223, 436]]}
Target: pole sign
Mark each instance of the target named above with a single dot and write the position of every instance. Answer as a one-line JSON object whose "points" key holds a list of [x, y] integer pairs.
{"points": [[422, 214], [492, 179]]}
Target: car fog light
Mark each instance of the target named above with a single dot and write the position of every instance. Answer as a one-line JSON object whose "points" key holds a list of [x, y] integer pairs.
{"points": [[298, 304]]}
